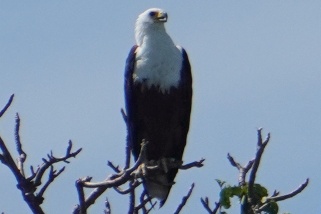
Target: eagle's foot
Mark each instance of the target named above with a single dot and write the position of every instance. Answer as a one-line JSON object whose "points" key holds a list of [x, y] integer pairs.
{"points": [[141, 171], [152, 167], [169, 163]]}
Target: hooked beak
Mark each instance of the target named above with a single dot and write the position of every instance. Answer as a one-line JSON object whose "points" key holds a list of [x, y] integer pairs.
{"points": [[161, 16]]}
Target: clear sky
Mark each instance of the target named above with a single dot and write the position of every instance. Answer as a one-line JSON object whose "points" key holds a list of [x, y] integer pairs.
{"points": [[255, 64]]}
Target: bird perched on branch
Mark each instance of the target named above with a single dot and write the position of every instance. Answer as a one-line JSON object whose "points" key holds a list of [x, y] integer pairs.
{"points": [[158, 97]]}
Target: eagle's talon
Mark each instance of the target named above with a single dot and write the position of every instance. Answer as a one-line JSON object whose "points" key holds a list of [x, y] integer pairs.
{"points": [[143, 168], [140, 172]]}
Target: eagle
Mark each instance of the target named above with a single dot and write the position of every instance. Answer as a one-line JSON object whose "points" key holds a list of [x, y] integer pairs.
{"points": [[158, 98]]}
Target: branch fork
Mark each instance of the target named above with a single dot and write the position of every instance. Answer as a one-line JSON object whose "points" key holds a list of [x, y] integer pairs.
{"points": [[29, 185]]}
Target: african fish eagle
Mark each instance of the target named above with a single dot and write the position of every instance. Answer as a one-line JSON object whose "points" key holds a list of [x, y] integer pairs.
{"points": [[158, 97]]}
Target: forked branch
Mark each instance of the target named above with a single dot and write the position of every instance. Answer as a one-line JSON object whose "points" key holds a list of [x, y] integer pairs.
{"points": [[130, 175], [29, 185], [253, 196]]}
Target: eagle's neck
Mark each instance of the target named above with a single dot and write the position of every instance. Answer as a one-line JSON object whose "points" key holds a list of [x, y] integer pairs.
{"points": [[158, 60]]}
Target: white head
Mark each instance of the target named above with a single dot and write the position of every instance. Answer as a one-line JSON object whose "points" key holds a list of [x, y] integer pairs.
{"points": [[158, 60], [150, 20]]}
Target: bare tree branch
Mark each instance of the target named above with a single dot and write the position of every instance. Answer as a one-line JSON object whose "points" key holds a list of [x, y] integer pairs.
{"points": [[206, 205], [252, 201], [242, 170], [7, 105], [276, 198], [260, 149], [122, 111], [28, 186], [22, 155], [197, 164], [291, 194], [52, 175], [52, 160], [127, 175], [133, 185], [108, 207], [81, 194], [143, 202], [100, 187], [131, 207], [184, 200], [115, 168]]}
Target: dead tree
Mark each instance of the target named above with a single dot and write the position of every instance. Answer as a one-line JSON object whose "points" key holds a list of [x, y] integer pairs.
{"points": [[32, 187], [254, 198], [132, 176]]}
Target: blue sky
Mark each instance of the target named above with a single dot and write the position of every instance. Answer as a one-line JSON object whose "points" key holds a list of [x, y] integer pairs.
{"points": [[255, 64]]}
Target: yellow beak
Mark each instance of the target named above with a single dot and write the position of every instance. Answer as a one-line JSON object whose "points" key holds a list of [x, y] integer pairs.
{"points": [[161, 16]]}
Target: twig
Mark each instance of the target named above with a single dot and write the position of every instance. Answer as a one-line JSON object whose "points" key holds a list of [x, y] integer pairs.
{"points": [[52, 175], [90, 199], [122, 177], [289, 195], [25, 186], [22, 155], [127, 174], [108, 207], [152, 207], [122, 111], [7, 105], [81, 195], [276, 198], [7, 159], [130, 174], [52, 160], [100, 187], [184, 200], [131, 198], [115, 168], [205, 203], [28, 186], [197, 164], [217, 206], [242, 170], [127, 153], [260, 149], [133, 185], [143, 202]]}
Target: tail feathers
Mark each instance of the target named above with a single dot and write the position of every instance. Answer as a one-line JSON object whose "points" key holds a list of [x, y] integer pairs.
{"points": [[158, 188]]}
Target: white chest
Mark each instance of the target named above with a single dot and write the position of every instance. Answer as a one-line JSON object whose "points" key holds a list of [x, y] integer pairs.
{"points": [[158, 65]]}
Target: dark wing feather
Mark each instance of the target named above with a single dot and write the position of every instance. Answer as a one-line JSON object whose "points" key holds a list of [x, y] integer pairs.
{"points": [[186, 92], [128, 87]]}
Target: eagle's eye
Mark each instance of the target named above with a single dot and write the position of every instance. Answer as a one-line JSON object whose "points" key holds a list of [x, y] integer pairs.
{"points": [[152, 14]]}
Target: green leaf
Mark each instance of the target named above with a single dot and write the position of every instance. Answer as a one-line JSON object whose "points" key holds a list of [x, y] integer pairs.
{"points": [[271, 208], [220, 183], [260, 191], [225, 197], [229, 192]]}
